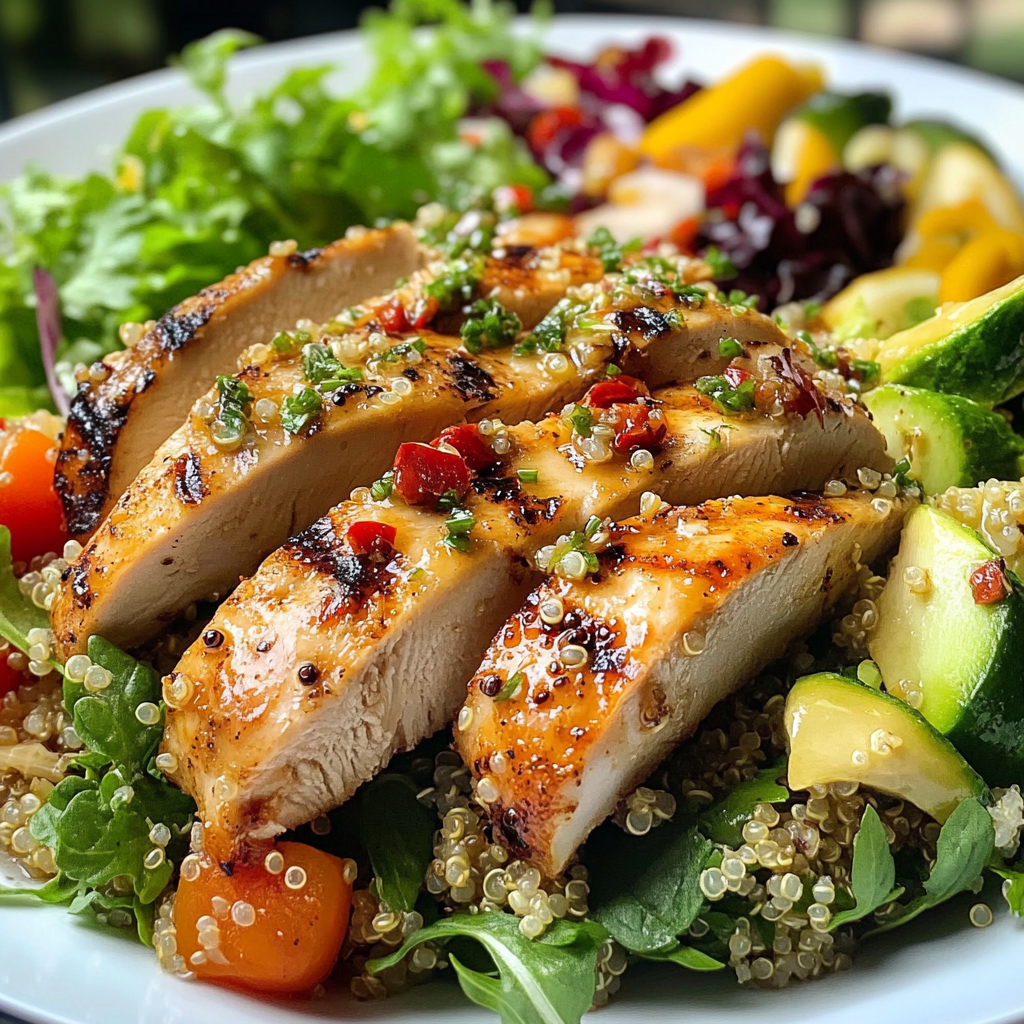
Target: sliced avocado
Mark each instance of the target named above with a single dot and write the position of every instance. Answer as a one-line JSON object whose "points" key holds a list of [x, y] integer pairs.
{"points": [[961, 662], [876, 305], [950, 441], [974, 349], [840, 730], [937, 134], [838, 117]]}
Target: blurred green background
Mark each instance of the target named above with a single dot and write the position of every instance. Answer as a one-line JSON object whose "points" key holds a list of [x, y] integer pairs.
{"points": [[50, 49]]}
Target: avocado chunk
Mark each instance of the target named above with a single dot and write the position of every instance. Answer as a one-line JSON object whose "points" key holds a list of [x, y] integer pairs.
{"points": [[958, 661], [949, 440], [838, 116], [840, 730], [974, 349], [879, 304]]}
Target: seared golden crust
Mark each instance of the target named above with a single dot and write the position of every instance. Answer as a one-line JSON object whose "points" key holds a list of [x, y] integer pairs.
{"points": [[93, 466]]}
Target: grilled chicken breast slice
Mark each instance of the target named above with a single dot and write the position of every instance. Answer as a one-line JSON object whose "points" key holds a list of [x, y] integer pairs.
{"points": [[326, 662], [117, 423], [201, 515], [688, 605]]}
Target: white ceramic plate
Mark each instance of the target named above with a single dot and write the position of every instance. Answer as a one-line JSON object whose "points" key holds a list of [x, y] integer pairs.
{"points": [[56, 970]]}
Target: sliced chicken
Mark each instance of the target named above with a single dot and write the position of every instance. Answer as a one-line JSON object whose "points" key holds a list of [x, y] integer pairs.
{"points": [[116, 423], [202, 514], [607, 676], [338, 653]]}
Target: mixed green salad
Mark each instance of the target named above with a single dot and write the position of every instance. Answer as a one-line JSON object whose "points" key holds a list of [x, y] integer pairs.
{"points": [[774, 842]]}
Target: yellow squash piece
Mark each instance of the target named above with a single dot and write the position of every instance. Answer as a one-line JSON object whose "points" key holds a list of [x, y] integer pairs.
{"points": [[988, 261], [881, 299], [757, 97]]}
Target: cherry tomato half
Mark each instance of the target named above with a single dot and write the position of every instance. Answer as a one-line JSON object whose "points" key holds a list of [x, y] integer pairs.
{"points": [[423, 474], [469, 443], [29, 506]]}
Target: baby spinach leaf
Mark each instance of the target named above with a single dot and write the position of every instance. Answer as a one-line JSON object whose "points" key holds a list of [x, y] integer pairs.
{"points": [[874, 871], [964, 847], [724, 821], [646, 907], [106, 721], [397, 832], [685, 956], [17, 616], [549, 980]]}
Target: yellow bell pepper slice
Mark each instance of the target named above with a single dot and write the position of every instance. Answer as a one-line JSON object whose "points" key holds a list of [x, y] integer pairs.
{"points": [[815, 156], [932, 254], [758, 96], [962, 219], [988, 261]]}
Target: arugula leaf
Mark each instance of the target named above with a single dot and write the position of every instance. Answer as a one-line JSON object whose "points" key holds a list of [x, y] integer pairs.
{"points": [[874, 871], [549, 980], [1014, 892], [724, 821], [964, 847], [685, 956], [205, 60], [397, 832], [17, 616], [649, 906]]}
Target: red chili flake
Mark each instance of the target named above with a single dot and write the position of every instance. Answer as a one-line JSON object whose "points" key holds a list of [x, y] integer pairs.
{"points": [[423, 474], [635, 430], [808, 397], [989, 583], [367, 537], [470, 444], [736, 375], [607, 393], [513, 197], [392, 317]]}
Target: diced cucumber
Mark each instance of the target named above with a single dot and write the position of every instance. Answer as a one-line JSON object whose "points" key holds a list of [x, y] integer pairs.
{"points": [[975, 348], [950, 441], [960, 662], [838, 117], [840, 730], [878, 304]]}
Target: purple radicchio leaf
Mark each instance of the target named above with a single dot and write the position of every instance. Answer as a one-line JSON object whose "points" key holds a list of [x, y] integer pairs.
{"points": [[48, 322]]}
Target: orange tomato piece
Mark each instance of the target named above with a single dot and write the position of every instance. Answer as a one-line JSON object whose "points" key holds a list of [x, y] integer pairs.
{"points": [[256, 930], [29, 506]]}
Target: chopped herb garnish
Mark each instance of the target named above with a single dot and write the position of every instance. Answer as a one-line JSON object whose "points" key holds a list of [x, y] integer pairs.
{"points": [[691, 294], [730, 348], [490, 325], [511, 687], [593, 525], [812, 310], [458, 526], [582, 420], [609, 251], [320, 367], [741, 300], [612, 370], [716, 438], [283, 342], [578, 541], [382, 488], [823, 357], [448, 501], [401, 350], [456, 283], [722, 268], [727, 399], [868, 369], [233, 411], [297, 411], [528, 476], [549, 334], [901, 474], [456, 233]]}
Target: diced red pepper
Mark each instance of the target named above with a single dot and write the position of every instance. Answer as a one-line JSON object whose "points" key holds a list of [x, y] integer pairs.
{"points": [[989, 583], [513, 197], [367, 537], [548, 124], [607, 393], [10, 680], [392, 317], [470, 444], [423, 474], [635, 429], [424, 311], [29, 506], [736, 375], [684, 233]]}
